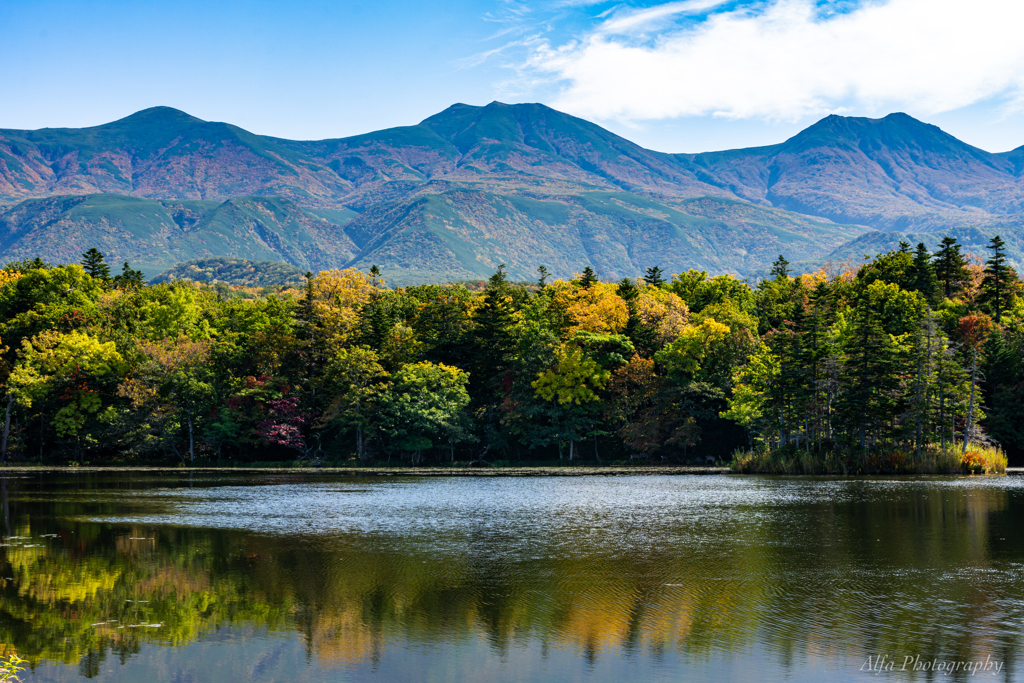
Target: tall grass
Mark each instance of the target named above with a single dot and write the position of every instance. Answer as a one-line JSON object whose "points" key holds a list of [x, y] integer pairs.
{"points": [[934, 460]]}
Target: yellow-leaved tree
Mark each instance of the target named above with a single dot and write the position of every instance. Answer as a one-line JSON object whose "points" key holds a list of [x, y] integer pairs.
{"points": [[337, 296], [596, 308], [69, 367]]}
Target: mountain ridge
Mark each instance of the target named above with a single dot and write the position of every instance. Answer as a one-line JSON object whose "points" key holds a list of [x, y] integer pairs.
{"points": [[475, 185]]}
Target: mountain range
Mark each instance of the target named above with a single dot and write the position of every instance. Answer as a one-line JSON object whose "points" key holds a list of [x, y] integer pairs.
{"points": [[473, 187]]}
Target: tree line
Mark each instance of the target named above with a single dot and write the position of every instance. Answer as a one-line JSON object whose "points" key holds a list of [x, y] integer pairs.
{"points": [[905, 352]]}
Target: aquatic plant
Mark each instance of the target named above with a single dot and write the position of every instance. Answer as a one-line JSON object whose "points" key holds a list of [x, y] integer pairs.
{"points": [[934, 459], [10, 668]]}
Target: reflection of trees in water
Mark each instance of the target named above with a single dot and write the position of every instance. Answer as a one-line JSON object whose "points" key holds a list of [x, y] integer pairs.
{"points": [[823, 579]]}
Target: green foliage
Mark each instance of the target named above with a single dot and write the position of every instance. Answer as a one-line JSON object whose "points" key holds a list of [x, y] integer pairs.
{"points": [[1000, 285], [235, 271], [951, 267], [92, 262], [424, 405], [10, 667], [849, 364]]}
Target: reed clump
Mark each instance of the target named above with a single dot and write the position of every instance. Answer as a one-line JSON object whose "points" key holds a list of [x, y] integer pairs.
{"points": [[934, 459]]}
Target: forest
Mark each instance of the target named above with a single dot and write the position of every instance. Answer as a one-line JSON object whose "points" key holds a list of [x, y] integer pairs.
{"points": [[911, 361]]}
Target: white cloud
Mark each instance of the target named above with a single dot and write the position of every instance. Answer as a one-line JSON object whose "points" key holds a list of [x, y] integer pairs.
{"points": [[623, 23], [783, 61]]}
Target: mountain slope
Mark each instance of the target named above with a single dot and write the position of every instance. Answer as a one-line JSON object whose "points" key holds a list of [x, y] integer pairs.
{"points": [[154, 235], [472, 187], [466, 234], [158, 153], [890, 173], [235, 271]]}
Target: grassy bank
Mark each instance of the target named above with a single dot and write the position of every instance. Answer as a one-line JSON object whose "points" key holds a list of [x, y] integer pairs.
{"points": [[933, 460]]}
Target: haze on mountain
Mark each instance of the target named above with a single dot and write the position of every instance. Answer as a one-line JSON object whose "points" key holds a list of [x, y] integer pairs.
{"points": [[470, 188]]}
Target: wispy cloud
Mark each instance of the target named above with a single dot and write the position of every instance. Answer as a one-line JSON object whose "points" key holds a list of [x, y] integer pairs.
{"points": [[630, 21], [786, 59]]}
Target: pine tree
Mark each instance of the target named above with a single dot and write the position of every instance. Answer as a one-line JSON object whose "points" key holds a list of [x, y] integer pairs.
{"points": [[950, 267], [129, 278], [872, 374], [92, 261], [998, 280], [588, 278], [642, 337], [921, 275], [780, 269], [543, 275], [654, 276]]}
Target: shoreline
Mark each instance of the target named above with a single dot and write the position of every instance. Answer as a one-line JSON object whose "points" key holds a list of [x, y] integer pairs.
{"points": [[611, 471], [395, 471]]}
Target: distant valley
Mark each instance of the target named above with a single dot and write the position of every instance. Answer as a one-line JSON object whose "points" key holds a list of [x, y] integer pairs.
{"points": [[473, 187]]}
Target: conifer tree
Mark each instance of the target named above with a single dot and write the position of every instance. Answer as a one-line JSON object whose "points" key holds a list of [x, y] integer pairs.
{"points": [[642, 337], [129, 278], [780, 268], [588, 278], [654, 276], [92, 261], [870, 397], [543, 275], [950, 267], [999, 278], [921, 274]]}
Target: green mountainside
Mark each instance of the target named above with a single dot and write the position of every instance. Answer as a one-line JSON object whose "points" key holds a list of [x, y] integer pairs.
{"points": [[155, 234], [235, 271], [463, 234], [473, 187]]}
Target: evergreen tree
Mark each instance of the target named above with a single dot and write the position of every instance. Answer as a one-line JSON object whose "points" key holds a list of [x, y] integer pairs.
{"points": [[871, 383], [973, 330], [544, 274], [588, 278], [999, 278], [654, 276], [129, 278], [951, 267], [493, 337], [780, 268], [641, 336], [921, 275], [92, 261]]}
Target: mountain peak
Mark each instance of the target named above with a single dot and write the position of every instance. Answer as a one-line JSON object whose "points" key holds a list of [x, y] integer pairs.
{"points": [[158, 115], [895, 130]]}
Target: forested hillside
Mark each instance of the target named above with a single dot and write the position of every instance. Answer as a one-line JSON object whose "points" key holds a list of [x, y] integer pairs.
{"points": [[911, 362], [234, 271]]}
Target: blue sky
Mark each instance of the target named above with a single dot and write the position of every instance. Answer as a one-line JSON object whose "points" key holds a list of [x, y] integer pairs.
{"points": [[679, 76]]}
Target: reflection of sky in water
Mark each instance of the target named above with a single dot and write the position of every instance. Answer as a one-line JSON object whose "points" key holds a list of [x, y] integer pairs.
{"points": [[604, 579]]}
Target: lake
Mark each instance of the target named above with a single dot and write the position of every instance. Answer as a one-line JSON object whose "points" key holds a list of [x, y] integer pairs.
{"points": [[145, 576]]}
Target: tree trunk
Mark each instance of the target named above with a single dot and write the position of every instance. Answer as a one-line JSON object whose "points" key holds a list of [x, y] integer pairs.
{"points": [[359, 431], [7, 429], [191, 441], [572, 447], [942, 415], [970, 406], [782, 435]]}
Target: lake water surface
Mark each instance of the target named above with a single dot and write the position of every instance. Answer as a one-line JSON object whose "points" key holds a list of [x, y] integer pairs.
{"points": [[132, 576]]}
